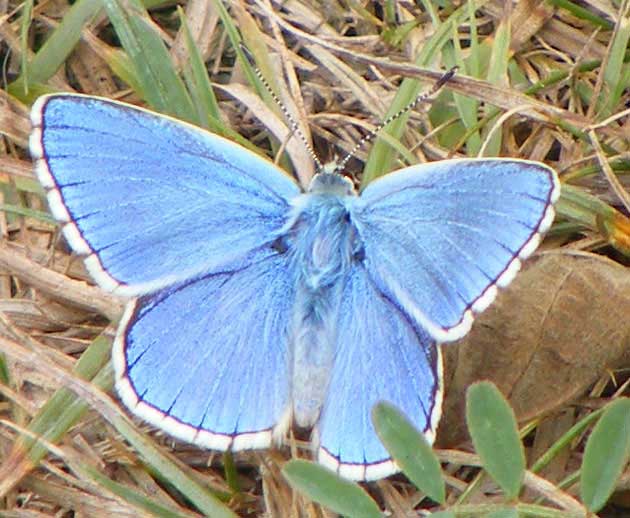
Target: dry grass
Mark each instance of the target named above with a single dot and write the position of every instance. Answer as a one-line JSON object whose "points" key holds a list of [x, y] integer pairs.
{"points": [[545, 81]]}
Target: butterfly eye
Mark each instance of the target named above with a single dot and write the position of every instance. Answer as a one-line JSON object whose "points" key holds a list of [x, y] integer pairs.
{"points": [[280, 245]]}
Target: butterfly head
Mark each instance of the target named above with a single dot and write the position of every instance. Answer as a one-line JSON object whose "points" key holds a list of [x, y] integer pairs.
{"points": [[331, 183]]}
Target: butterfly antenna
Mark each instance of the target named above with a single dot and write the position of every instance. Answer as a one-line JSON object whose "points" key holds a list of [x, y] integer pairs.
{"points": [[295, 129], [420, 98]]}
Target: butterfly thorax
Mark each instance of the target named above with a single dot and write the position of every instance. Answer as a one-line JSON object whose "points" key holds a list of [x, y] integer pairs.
{"points": [[322, 243]]}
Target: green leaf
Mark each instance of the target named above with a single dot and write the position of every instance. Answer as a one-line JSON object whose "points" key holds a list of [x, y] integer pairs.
{"points": [[410, 449], [606, 454], [494, 433], [329, 489]]}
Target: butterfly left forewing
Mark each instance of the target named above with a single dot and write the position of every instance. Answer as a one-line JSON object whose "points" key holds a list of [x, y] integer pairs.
{"points": [[149, 200]]}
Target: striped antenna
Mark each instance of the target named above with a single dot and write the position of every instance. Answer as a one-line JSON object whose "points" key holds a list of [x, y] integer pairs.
{"points": [[422, 97], [292, 123]]}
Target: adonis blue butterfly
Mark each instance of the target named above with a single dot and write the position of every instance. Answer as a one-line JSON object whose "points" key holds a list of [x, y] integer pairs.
{"points": [[253, 304]]}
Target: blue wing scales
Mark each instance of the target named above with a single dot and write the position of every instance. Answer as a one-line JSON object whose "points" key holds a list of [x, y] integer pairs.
{"points": [[439, 238], [207, 364], [381, 355], [151, 200]]}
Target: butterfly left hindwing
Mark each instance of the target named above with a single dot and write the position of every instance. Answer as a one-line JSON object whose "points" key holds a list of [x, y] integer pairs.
{"points": [[208, 360]]}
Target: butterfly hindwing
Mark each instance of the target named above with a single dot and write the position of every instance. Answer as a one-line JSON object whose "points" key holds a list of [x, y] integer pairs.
{"points": [[381, 355], [151, 200], [207, 360], [439, 238]]}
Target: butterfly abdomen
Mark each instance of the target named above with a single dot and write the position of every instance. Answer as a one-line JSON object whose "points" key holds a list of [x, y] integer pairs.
{"points": [[322, 242]]}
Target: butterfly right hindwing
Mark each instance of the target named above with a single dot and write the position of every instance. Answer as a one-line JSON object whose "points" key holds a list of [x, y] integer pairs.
{"points": [[381, 355]]}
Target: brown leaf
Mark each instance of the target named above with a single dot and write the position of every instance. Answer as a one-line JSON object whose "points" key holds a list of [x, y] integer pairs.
{"points": [[557, 328]]}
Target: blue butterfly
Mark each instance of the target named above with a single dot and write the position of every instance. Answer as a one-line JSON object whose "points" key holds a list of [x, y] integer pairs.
{"points": [[254, 305]]}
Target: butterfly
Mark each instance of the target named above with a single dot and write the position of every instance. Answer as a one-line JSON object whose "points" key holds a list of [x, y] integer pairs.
{"points": [[254, 304]]}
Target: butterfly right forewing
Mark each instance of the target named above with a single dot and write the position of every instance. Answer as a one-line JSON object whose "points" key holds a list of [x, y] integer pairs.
{"points": [[440, 238]]}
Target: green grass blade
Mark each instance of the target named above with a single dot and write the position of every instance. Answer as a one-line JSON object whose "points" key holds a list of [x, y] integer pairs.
{"points": [[202, 92], [497, 74], [57, 47], [606, 454], [61, 412], [121, 65], [410, 449], [257, 47], [54, 52], [25, 25], [591, 212], [563, 442], [582, 13], [53, 419], [382, 155], [236, 41], [152, 506], [162, 464], [25, 211], [492, 427], [508, 512], [65, 408], [160, 85], [467, 107], [254, 40], [199, 84], [580, 206], [329, 489], [616, 73]]}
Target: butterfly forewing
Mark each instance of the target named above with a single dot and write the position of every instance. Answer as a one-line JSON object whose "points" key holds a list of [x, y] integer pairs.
{"points": [[440, 237], [151, 200]]}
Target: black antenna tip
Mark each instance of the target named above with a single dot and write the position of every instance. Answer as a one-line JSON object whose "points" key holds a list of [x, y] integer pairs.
{"points": [[446, 77], [248, 54]]}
